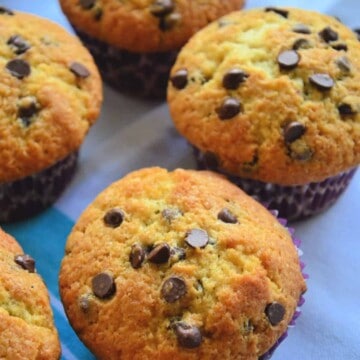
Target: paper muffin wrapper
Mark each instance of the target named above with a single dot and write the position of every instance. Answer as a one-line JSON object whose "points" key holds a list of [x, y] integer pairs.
{"points": [[297, 313], [293, 202], [23, 198], [140, 74]]}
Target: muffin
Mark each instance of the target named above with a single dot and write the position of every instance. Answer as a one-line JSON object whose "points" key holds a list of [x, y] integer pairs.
{"points": [[27, 328], [135, 43], [180, 265], [50, 93], [271, 98]]}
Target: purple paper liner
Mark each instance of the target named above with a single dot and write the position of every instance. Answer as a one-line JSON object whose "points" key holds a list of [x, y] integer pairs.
{"points": [[23, 198], [297, 313], [140, 74], [293, 202]]}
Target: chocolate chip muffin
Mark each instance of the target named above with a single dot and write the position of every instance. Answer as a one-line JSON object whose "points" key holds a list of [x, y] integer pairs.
{"points": [[26, 322], [180, 265], [50, 93], [135, 43], [271, 98]]}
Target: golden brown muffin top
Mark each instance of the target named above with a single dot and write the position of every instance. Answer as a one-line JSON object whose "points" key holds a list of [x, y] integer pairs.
{"points": [[50, 93], [273, 93], [145, 25], [179, 265], [26, 322]]}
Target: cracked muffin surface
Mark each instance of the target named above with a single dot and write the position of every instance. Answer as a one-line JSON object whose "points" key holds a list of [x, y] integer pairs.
{"points": [[179, 264], [271, 94], [27, 328]]}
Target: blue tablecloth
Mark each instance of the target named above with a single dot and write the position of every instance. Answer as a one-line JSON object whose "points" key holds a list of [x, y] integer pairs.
{"points": [[131, 134]]}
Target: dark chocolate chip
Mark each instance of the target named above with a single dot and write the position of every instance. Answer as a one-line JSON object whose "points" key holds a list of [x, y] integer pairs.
{"points": [[160, 254], [79, 70], [114, 217], [229, 108], [26, 262], [233, 78], [346, 109], [87, 4], [227, 216], [288, 59], [18, 68], [173, 289], [328, 34], [275, 313], [160, 8], [293, 131], [357, 32], [188, 336], [301, 29], [180, 79], [103, 285], [282, 12], [137, 256], [171, 214], [301, 44], [98, 14], [323, 82], [6, 11], [197, 238], [168, 22], [27, 108], [343, 63], [18, 44], [340, 47]]}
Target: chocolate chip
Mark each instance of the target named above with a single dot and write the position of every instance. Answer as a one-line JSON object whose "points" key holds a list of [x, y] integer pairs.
{"points": [[171, 214], [328, 34], [343, 63], [137, 256], [293, 131], [18, 44], [229, 108], [275, 313], [197, 238], [26, 262], [301, 44], [160, 254], [160, 8], [87, 4], [227, 216], [323, 82], [188, 336], [173, 289], [168, 22], [27, 108], [18, 68], [210, 160], [79, 70], [114, 217], [180, 79], [288, 59], [301, 29], [103, 285], [6, 11], [233, 78], [346, 109], [340, 47], [281, 12]]}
